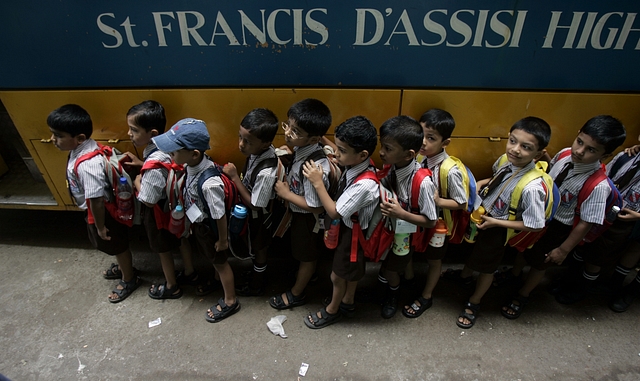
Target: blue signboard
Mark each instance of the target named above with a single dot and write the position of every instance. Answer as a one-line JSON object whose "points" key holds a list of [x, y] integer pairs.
{"points": [[499, 44]]}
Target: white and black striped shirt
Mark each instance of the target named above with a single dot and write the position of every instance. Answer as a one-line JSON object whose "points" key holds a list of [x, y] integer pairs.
{"points": [[455, 188], [212, 190], [154, 181], [630, 193], [262, 190], [302, 186], [91, 181], [426, 201], [361, 197]]}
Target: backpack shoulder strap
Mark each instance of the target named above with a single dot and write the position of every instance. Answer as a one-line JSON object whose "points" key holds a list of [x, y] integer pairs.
{"points": [[622, 160], [591, 182], [102, 150], [415, 188], [271, 162], [206, 174]]}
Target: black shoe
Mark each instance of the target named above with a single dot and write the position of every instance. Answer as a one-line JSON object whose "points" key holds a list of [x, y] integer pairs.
{"points": [[390, 304], [570, 296], [622, 302], [247, 290]]}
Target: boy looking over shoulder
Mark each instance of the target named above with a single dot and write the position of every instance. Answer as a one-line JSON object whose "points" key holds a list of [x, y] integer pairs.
{"points": [[186, 143], [437, 127], [71, 130], [257, 131], [308, 120], [401, 138], [598, 137], [355, 139], [527, 139]]}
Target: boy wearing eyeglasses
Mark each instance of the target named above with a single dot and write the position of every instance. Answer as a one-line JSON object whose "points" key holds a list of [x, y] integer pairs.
{"points": [[308, 120]]}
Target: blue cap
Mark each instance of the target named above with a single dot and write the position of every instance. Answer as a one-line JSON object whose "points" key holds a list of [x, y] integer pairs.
{"points": [[188, 133]]}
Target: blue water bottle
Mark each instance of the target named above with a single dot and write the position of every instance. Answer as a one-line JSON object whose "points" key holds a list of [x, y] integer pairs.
{"points": [[238, 219]]}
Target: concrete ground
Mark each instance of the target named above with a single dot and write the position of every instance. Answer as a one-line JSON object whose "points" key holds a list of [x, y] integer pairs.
{"points": [[56, 324]]}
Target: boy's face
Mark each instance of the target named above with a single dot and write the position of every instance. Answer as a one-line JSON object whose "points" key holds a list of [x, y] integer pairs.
{"points": [[432, 144], [347, 155], [522, 148], [64, 141], [295, 136], [391, 152], [138, 135], [184, 156], [249, 144], [585, 150]]}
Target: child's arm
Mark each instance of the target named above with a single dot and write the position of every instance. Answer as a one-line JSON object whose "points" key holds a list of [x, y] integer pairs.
{"points": [[231, 171], [632, 151], [628, 215], [222, 243], [314, 174], [135, 161], [98, 210], [392, 209], [137, 183], [490, 222], [481, 183], [558, 254], [284, 192], [448, 203]]}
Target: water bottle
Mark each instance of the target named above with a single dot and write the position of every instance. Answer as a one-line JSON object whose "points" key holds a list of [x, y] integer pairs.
{"points": [[474, 220], [400, 244], [238, 218], [440, 232], [124, 200], [331, 234], [176, 226]]}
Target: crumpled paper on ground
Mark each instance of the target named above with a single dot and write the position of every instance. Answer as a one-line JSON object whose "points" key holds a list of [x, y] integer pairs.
{"points": [[275, 325]]}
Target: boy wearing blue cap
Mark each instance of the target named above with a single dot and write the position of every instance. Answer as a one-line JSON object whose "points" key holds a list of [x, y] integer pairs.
{"points": [[186, 143]]}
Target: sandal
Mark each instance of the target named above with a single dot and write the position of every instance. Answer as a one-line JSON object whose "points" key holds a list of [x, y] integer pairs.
{"points": [[209, 287], [418, 309], [224, 312], [471, 316], [506, 278], [114, 272], [189, 280], [278, 302], [314, 321], [454, 276], [127, 289], [161, 291], [513, 309], [348, 310]]}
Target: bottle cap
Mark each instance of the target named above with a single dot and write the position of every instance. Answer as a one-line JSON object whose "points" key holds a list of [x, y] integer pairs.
{"points": [[179, 208], [240, 211], [123, 180]]}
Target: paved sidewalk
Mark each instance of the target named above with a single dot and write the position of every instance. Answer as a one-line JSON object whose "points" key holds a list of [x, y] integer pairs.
{"points": [[56, 324]]}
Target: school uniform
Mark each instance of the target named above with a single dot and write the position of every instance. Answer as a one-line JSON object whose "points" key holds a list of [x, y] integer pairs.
{"points": [[213, 193], [360, 197], [153, 191], [426, 205], [592, 209], [91, 182], [609, 247], [489, 248], [306, 239], [455, 189], [261, 194]]}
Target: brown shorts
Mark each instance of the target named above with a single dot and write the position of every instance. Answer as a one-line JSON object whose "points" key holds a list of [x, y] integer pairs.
{"points": [[556, 233], [206, 239], [488, 251], [342, 265], [306, 246], [607, 249], [397, 263], [259, 234], [435, 253], [160, 240], [119, 233]]}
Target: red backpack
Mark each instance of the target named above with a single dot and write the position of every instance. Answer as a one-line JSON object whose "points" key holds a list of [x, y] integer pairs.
{"points": [[173, 189], [420, 239]]}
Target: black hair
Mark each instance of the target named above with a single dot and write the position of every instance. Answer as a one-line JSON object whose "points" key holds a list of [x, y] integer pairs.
{"points": [[605, 130], [405, 130], [149, 115], [311, 115], [359, 133], [262, 123], [71, 119], [536, 127], [440, 121]]}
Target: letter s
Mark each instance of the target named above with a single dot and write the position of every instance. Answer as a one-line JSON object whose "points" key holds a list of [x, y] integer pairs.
{"points": [[106, 29]]}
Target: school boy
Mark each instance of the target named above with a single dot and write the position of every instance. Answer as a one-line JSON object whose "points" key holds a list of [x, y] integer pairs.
{"points": [[401, 138], [71, 130], [147, 120], [527, 139], [437, 126], [355, 139], [186, 143], [308, 120], [598, 137], [257, 131], [607, 250]]}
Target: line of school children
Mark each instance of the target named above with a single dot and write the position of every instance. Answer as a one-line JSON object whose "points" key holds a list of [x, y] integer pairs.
{"points": [[517, 199]]}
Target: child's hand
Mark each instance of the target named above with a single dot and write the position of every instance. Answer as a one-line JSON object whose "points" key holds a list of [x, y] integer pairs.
{"points": [[281, 188], [230, 170], [556, 255], [313, 172], [135, 162], [632, 151], [104, 233], [221, 245], [488, 222], [391, 208], [628, 215]]}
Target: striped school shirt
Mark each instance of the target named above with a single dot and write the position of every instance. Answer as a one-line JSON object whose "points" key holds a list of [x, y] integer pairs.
{"points": [[361, 197], [593, 208], [455, 187], [262, 191], [91, 181], [631, 193], [154, 181], [404, 178], [212, 190], [531, 207], [302, 186]]}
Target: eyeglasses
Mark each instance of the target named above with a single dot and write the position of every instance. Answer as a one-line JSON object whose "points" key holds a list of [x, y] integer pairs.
{"points": [[292, 133]]}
